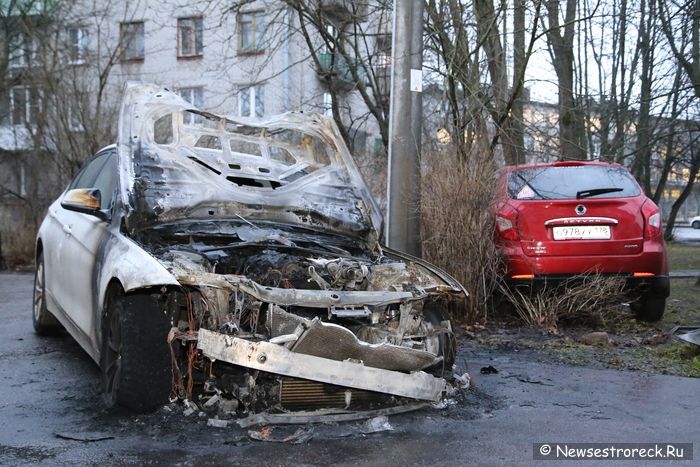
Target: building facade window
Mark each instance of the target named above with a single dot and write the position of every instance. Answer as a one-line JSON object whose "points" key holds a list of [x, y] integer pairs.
{"points": [[190, 37], [194, 96], [132, 41], [5, 110], [17, 57], [77, 111], [251, 101], [75, 122], [251, 31], [22, 51], [327, 104], [77, 44], [24, 105]]}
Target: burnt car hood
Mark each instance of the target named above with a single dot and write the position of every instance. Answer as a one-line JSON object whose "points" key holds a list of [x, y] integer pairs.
{"points": [[179, 163]]}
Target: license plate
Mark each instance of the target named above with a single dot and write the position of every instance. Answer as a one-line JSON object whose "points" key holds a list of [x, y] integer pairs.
{"points": [[582, 232]]}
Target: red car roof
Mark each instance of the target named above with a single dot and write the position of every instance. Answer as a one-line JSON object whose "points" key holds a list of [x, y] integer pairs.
{"points": [[510, 168]]}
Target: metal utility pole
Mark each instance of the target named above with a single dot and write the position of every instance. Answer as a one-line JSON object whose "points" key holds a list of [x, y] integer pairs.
{"points": [[405, 119]]}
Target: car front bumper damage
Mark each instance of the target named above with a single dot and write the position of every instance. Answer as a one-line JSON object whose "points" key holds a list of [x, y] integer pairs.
{"points": [[321, 360], [273, 358]]}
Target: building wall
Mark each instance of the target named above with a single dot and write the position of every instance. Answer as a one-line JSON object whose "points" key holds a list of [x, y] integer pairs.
{"points": [[73, 88]]}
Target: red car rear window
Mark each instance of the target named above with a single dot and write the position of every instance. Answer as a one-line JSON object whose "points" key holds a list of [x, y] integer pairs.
{"points": [[571, 182]]}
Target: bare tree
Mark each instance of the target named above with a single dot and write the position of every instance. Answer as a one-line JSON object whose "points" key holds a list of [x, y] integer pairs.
{"points": [[61, 110], [456, 61], [560, 38], [693, 170], [681, 25], [520, 59]]}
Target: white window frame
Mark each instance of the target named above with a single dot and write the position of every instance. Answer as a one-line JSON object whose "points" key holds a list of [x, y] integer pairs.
{"points": [[258, 26], [327, 104], [75, 124], [29, 117], [80, 47], [22, 52], [196, 39], [256, 93], [17, 58], [195, 96], [127, 39]]}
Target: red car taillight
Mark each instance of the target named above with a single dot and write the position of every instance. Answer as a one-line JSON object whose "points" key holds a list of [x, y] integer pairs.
{"points": [[505, 223], [652, 220]]}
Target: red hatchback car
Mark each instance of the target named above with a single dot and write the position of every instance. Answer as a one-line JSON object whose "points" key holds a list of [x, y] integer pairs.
{"points": [[558, 220]]}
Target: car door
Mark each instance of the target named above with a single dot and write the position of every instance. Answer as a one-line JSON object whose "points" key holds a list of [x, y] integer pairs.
{"points": [[84, 236], [57, 261]]}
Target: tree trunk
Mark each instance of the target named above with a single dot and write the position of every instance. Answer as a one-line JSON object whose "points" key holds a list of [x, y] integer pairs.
{"points": [[670, 157], [689, 60], [572, 141], [641, 167], [518, 64], [488, 34], [670, 223]]}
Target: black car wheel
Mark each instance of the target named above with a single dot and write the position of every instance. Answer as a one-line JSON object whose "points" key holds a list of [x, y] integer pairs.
{"points": [[135, 360], [649, 309], [45, 324], [696, 225]]}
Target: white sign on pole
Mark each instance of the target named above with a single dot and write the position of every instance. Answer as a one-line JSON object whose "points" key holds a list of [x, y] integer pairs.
{"points": [[416, 80]]}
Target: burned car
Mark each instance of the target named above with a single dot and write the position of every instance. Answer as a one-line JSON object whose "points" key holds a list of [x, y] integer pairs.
{"points": [[204, 254]]}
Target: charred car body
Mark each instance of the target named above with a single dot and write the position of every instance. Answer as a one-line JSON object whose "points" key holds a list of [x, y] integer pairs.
{"points": [[242, 258]]}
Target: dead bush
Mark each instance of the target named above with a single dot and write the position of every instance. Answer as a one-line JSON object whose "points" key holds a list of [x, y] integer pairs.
{"points": [[457, 222], [587, 299], [17, 249]]}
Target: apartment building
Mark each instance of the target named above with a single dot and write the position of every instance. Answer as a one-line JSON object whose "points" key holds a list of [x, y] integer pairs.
{"points": [[66, 63], [249, 61]]}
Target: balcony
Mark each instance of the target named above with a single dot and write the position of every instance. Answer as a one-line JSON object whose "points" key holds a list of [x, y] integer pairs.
{"points": [[335, 66], [344, 9]]}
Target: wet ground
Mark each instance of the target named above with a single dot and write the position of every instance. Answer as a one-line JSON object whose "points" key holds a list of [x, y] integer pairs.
{"points": [[50, 388]]}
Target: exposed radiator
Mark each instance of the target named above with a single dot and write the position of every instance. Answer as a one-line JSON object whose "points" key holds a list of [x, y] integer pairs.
{"points": [[303, 394]]}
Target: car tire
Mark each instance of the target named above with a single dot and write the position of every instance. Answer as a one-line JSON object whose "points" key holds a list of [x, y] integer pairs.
{"points": [[135, 359], [696, 225], [45, 324], [649, 309], [434, 315]]}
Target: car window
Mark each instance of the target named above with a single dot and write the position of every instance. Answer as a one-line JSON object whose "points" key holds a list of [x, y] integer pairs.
{"points": [[209, 142], [163, 130], [86, 176], [571, 182], [106, 180]]}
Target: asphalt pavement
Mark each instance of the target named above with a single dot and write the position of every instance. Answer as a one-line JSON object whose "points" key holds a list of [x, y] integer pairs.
{"points": [[49, 391]]}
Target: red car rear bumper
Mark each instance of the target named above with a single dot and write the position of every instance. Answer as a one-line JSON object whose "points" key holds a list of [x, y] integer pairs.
{"points": [[540, 271], [656, 286]]}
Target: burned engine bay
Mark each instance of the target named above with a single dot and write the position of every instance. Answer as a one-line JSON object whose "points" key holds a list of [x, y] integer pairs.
{"points": [[277, 317]]}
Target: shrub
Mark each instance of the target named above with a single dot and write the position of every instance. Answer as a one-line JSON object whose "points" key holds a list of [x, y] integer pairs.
{"points": [[457, 222], [585, 299]]}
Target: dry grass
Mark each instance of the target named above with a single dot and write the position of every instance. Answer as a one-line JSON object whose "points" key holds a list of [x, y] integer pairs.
{"points": [[17, 246], [457, 223], [588, 299]]}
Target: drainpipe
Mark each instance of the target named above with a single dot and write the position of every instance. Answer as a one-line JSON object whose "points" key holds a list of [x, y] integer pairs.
{"points": [[287, 61]]}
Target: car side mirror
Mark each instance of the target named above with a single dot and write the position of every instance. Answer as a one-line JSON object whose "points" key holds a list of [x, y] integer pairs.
{"points": [[85, 200]]}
